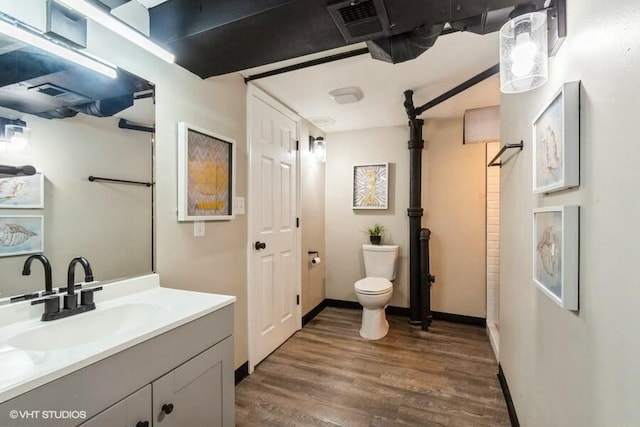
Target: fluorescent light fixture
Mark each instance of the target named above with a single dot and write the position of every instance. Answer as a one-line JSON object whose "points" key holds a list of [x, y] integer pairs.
{"points": [[114, 24], [40, 42]]}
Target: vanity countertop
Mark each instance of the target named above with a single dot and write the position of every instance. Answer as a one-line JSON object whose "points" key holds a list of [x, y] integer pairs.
{"points": [[128, 312]]}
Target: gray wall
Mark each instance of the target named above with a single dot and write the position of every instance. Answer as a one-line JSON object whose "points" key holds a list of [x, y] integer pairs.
{"points": [[217, 262], [108, 224], [579, 368], [454, 202], [345, 227], [312, 216], [454, 199]]}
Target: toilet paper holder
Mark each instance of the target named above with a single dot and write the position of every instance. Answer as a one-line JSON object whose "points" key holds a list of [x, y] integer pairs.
{"points": [[316, 259]]}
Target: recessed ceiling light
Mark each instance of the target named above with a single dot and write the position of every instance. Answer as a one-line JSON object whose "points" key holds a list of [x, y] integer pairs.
{"points": [[322, 121], [347, 95]]}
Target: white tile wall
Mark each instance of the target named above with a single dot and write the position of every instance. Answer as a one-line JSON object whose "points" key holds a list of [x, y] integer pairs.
{"points": [[493, 238]]}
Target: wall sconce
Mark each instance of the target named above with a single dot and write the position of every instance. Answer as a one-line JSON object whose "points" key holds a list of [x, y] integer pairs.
{"points": [[318, 147], [15, 133], [525, 47]]}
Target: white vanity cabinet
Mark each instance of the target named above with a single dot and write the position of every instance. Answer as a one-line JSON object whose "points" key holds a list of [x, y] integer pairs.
{"points": [[190, 395], [194, 391], [134, 411], [189, 367]]}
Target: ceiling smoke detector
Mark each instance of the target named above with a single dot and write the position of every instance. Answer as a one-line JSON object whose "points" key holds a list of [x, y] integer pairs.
{"points": [[347, 95]]}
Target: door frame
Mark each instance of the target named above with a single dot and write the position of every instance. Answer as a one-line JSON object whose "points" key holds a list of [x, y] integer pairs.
{"points": [[255, 91]]}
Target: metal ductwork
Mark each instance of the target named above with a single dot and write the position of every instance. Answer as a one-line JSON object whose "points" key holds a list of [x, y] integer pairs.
{"points": [[106, 107], [35, 82], [406, 46], [58, 113]]}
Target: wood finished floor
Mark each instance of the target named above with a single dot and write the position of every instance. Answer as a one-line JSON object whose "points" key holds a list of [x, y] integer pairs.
{"points": [[326, 375]]}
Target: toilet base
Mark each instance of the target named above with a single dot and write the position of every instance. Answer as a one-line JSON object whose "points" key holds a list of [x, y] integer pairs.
{"points": [[374, 324]]}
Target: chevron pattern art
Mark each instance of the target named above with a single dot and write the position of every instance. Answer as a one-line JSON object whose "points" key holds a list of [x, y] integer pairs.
{"points": [[209, 175]]}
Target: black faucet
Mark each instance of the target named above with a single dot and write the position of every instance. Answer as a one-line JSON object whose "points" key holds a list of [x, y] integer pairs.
{"points": [[70, 300], [48, 283], [52, 310]]}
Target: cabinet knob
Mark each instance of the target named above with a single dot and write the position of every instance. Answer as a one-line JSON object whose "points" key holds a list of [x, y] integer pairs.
{"points": [[167, 408], [142, 424], [260, 245]]}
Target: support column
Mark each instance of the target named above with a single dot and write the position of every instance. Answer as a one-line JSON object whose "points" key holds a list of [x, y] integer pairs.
{"points": [[427, 280], [415, 211]]}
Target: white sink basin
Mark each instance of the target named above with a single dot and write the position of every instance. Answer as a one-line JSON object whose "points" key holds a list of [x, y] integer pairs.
{"points": [[88, 327], [128, 312]]}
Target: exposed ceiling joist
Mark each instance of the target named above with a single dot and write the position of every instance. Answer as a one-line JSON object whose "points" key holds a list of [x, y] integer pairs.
{"points": [[218, 37]]}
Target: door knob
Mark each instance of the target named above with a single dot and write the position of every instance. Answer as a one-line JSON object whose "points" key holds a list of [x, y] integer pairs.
{"points": [[260, 245]]}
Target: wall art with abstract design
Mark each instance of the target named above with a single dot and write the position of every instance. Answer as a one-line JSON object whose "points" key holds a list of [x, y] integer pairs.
{"points": [[206, 174], [371, 186], [556, 138], [21, 234], [555, 254], [22, 192]]}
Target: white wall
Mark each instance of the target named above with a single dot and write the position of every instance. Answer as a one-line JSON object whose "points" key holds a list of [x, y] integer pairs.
{"points": [[217, 262], [579, 368], [345, 227], [453, 196], [312, 219]]}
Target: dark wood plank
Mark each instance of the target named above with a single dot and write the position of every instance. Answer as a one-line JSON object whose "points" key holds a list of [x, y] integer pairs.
{"points": [[326, 375]]}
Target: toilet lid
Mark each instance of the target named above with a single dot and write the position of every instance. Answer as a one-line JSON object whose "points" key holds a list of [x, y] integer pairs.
{"points": [[373, 285]]}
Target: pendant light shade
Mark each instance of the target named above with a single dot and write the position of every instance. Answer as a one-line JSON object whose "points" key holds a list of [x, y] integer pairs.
{"points": [[523, 53]]}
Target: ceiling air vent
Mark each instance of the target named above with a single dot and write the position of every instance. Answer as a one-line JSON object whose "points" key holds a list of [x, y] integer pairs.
{"points": [[360, 20], [63, 96]]}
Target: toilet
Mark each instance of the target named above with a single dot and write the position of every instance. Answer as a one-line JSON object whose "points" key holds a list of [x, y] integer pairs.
{"points": [[375, 290]]}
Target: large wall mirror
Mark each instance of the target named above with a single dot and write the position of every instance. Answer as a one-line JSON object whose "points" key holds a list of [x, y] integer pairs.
{"points": [[76, 119]]}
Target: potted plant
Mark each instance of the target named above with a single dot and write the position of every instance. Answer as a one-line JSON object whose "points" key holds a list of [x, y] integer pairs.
{"points": [[375, 233]]}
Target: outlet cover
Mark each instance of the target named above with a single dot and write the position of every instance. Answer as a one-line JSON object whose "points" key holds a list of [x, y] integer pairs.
{"points": [[198, 229], [239, 206]]}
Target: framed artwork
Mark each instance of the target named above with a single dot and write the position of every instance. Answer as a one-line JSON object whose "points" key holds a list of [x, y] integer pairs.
{"points": [[555, 254], [206, 174], [21, 235], [556, 142], [22, 192], [370, 186]]}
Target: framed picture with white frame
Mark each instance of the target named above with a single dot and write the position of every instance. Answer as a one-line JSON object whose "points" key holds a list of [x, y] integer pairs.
{"points": [[556, 142], [21, 234], [555, 254], [22, 192], [206, 174]]}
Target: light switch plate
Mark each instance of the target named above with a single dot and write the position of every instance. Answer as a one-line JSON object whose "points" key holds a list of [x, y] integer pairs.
{"points": [[198, 229], [239, 206]]}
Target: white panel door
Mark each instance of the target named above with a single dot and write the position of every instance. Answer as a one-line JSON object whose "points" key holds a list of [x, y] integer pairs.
{"points": [[274, 278]]}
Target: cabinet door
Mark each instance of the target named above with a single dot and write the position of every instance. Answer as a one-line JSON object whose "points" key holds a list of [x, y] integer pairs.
{"points": [[199, 393], [133, 411]]}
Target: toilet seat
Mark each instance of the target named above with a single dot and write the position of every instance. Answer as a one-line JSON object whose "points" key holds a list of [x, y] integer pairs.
{"points": [[373, 286]]}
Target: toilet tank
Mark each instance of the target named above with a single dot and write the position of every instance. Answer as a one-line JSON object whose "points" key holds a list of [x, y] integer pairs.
{"points": [[380, 260]]}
